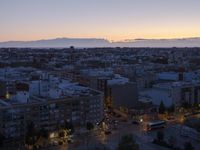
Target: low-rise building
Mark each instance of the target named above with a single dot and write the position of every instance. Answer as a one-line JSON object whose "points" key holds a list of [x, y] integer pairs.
{"points": [[174, 93]]}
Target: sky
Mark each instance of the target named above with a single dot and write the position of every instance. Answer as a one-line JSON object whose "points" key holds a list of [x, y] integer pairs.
{"points": [[114, 20]]}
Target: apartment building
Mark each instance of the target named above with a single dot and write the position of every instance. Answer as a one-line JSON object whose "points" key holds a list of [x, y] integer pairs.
{"points": [[177, 93], [49, 103]]}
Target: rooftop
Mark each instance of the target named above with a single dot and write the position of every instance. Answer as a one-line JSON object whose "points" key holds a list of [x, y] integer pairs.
{"points": [[119, 80]]}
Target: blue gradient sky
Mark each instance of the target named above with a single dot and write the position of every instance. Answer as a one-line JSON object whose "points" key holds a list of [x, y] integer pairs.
{"points": [[110, 19]]}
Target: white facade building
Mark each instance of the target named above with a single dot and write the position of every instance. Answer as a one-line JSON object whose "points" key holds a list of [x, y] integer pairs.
{"points": [[176, 93]]}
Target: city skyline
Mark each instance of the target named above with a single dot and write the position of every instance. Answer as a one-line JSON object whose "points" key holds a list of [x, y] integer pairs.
{"points": [[23, 20], [99, 74]]}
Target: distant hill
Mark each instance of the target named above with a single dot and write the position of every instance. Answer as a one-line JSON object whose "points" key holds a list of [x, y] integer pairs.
{"points": [[93, 42], [58, 42], [184, 42]]}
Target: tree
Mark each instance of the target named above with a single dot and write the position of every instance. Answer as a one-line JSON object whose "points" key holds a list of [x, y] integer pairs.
{"points": [[162, 108], [188, 146], [127, 143], [160, 136]]}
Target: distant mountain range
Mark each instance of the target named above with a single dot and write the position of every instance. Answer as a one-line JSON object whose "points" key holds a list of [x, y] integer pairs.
{"points": [[93, 42]]}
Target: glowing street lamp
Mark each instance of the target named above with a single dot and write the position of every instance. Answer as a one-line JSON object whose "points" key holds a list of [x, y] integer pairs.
{"points": [[7, 95]]}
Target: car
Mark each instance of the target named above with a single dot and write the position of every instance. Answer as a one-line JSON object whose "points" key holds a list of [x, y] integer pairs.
{"points": [[55, 143], [187, 114]]}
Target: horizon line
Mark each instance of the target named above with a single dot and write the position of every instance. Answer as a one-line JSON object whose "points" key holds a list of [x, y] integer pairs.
{"points": [[110, 41]]}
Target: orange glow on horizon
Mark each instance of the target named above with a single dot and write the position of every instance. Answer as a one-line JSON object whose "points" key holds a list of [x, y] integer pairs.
{"points": [[114, 38], [112, 20], [110, 33]]}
